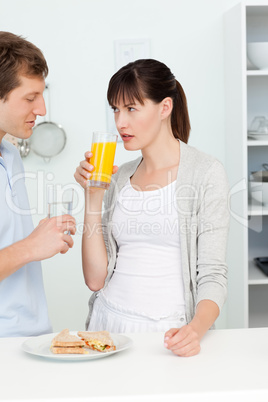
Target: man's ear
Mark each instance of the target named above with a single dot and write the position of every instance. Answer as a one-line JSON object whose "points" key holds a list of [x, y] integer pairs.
{"points": [[167, 106]]}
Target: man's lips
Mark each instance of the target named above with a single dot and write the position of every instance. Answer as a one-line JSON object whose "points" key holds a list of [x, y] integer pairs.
{"points": [[31, 123]]}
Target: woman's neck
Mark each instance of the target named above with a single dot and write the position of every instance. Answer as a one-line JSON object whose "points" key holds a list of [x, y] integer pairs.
{"points": [[161, 154]]}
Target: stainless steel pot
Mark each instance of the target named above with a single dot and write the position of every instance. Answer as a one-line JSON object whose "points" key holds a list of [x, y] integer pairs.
{"points": [[260, 175]]}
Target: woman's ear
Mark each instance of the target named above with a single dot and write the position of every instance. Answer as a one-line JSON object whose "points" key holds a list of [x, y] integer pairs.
{"points": [[167, 106]]}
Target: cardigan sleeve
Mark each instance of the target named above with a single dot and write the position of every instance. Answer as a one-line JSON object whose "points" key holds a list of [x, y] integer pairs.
{"points": [[213, 227]]}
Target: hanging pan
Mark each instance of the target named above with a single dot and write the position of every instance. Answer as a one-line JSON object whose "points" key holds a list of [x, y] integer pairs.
{"points": [[48, 138]]}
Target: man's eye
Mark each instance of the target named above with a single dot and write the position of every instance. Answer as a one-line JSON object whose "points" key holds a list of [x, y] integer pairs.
{"points": [[30, 100]]}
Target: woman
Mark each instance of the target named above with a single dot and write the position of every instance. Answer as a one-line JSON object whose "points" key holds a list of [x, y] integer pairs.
{"points": [[156, 259]]}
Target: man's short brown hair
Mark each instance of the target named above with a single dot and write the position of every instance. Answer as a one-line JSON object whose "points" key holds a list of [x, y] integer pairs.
{"points": [[18, 57]]}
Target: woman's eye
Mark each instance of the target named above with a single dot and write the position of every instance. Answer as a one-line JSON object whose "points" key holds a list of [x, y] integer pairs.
{"points": [[115, 110], [131, 109]]}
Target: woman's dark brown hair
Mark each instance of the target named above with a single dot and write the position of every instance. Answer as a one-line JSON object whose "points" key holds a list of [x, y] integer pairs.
{"points": [[18, 57], [151, 79]]}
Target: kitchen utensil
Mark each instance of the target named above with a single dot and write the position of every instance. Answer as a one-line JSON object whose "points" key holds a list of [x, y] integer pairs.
{"points": [[259, 190], [48, 139], [260, 175]]}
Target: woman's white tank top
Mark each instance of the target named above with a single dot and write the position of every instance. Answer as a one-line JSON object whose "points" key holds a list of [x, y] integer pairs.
{"points": [[147, 279]]}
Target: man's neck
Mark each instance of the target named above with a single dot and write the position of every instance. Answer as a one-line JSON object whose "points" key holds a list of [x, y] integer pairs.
{"points": [[2, 136]]}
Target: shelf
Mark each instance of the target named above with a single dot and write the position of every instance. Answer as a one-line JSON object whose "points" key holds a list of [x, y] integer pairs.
{"points": [[257, 143], [246, 92], [257, 73], [257, 209], [255, 275]]}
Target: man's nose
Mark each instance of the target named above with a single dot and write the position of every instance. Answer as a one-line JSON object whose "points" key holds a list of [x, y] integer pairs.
{"points": [[40, 107]]}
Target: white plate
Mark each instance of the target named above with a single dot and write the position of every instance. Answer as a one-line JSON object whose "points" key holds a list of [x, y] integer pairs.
{"points": [[40, 346]]}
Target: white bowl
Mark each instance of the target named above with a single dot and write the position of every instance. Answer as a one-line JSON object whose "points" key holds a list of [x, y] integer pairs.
{"points": [[258, 54], [259, 191]]}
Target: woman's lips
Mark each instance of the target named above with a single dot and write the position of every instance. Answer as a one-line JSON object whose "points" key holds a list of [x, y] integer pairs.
{"points": [[126, 137]]}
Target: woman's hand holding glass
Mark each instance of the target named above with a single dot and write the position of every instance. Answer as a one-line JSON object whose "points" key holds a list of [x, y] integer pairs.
{"points": [[83, 172]]}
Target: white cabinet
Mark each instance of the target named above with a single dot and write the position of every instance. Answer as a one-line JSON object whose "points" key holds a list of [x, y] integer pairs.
{"points": [[246, 97]]}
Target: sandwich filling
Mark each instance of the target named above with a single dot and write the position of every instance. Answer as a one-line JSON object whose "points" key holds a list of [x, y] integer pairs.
{"points": [[97, 345], [100, 341]]}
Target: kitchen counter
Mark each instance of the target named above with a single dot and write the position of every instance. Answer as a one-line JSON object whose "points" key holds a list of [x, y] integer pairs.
{"points": [[232, 366]]}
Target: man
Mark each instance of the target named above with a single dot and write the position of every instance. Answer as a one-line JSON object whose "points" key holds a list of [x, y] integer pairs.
{"points": [[23, 308]]}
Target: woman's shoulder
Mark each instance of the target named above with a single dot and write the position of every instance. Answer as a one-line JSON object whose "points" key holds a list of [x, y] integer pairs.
{"points": [[195, 155], [198, 167], [195, 159]]}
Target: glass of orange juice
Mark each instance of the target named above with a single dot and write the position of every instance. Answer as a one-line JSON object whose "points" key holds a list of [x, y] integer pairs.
{"points": [[103, 150]]}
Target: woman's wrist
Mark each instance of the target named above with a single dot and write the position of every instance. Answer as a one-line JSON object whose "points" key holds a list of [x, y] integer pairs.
{"points": [[207, 312], [197, 326], [94, 199]]}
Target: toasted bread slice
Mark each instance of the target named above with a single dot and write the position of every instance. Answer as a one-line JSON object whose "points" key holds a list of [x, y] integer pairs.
{"points": [[68, 350], [100, 340], [65, 339]]}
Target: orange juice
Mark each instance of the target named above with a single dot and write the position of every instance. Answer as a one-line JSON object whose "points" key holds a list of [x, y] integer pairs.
{"points": [[102, 160]]}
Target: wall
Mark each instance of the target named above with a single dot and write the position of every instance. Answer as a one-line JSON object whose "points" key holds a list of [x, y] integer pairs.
{"points": [[77, 38]]}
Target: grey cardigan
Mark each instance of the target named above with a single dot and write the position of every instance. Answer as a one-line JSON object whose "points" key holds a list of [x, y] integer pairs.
{"points": [[202, 203]]}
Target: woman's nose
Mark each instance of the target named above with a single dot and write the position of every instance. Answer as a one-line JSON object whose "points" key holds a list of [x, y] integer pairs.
{"points": [[121, 120]]}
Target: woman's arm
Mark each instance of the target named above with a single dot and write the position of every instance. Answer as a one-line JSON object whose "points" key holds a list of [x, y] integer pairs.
{"points": [[185, 341], [211, 269], [94, 253], [213, 228]]}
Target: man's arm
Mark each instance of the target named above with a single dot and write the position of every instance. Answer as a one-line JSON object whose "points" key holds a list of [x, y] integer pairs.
{"points": [[46, 240]]}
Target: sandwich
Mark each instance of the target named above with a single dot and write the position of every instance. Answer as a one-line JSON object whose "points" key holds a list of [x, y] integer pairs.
{"points": [[100, 341], [65, 343]]}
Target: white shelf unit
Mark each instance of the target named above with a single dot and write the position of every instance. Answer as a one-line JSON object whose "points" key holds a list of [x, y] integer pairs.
{"points": [[257, 209], [246, 97], [256, 73], [254, 143]]}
